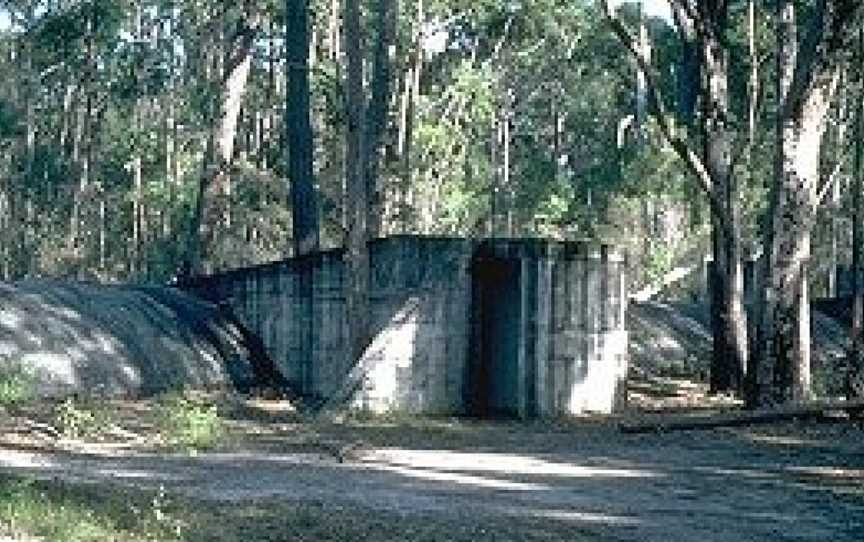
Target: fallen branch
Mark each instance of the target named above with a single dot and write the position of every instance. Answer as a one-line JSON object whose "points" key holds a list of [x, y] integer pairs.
{"points": [[813, 410]]}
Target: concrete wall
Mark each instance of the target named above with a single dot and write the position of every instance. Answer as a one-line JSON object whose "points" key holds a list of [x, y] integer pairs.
{"points": [[544, 339], [572, 349]]}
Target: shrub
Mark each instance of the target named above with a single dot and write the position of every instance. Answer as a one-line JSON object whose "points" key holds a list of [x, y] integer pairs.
{"points": [[189, 423], [78, 420], [17, 384]]}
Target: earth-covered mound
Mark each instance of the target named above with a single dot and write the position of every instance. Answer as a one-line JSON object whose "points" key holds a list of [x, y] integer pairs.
{"points": [[76, 338], [674, 340]]}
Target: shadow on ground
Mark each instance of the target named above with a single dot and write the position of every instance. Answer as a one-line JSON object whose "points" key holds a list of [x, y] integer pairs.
{"points": [[802, 480]]}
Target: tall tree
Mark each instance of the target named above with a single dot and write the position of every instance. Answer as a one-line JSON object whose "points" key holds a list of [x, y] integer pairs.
{"points": [[356, 197], [298, 126], [855, 375], [407, 121], [809, 71], [729, 360], [213, 187], [386, 15], [706, 23]]}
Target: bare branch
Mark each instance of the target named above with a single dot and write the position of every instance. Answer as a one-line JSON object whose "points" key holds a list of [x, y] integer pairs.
{"points": [[829, 183], [691, 159]]}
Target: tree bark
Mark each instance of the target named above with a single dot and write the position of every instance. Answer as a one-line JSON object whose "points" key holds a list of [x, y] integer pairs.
{"points": [[298, 125], [334, 33], [855, 369], [729, 361], [707, 23], [810, 80], [356, 247], [385, 22], [213, 184], [412, 96]]}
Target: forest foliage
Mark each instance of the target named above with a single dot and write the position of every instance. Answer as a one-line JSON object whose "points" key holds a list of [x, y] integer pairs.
{"points": [[106, 109]]}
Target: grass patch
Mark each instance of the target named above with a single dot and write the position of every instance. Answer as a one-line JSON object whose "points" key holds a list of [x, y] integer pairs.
{"points": [[17, 384], [82, 420], [65, 513], [190, 423]]}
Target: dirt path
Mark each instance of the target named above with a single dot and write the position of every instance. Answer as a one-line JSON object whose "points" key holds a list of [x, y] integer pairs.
{"points": [[782, 483]]}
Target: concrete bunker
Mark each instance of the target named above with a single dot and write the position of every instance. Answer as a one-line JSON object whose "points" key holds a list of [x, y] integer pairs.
{"points": [[528, 328]]}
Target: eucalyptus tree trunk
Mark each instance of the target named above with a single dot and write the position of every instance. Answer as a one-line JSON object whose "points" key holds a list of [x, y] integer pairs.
{"points": [[298, 125], [810, 80], [830, 179], [753, 87], [703, 27], [19, 197], [136, 166], [170, 138], [77, 237], [356, 247], [644, 47], [334, 34], [213, 186], [495, 205], [169, 129], [268, 117], [728, 368], [386, 16], [412, 96], [135, 260], [855, 374], [506, 164], [7, 240]]}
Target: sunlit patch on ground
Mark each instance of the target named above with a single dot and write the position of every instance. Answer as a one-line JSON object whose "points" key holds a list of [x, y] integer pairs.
{"points": [[655, 393], [469, 479], [493, 463]]}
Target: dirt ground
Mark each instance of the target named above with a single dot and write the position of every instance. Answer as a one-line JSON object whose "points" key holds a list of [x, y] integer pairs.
{"points": [[792, 481]]}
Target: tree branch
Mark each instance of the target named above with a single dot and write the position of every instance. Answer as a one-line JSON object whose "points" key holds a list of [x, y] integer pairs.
{"points": [[828, 34], [692, 160]]}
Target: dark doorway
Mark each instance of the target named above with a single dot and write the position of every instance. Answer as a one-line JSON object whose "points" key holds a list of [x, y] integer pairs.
{"points": [[497, 315]]}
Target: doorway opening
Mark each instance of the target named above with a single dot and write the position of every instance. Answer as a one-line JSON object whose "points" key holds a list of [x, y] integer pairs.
{"points": [[497, 316]]}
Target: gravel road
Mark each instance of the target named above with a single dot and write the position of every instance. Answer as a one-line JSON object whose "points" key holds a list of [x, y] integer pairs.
{"points": [[779, 484]]}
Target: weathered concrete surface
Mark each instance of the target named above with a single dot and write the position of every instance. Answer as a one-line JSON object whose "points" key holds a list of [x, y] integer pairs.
{"points": [[515, 327], [121, 340]]}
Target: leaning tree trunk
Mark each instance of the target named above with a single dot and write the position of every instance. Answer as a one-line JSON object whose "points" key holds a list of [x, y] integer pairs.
{"points": [[213, 186]]}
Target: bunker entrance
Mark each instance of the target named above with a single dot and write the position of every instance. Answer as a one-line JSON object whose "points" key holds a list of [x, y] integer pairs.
{"points": [[496, 338]]}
